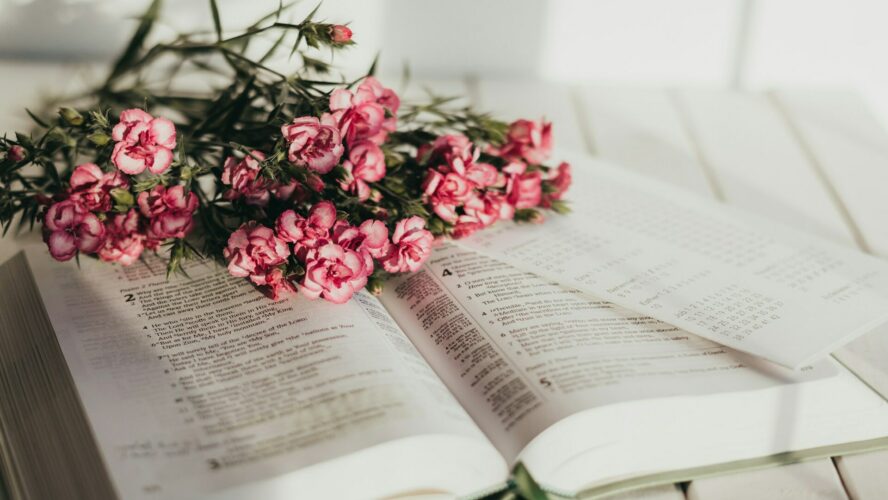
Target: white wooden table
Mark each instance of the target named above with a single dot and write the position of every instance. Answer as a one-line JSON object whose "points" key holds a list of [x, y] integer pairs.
{"points": [[814, 159]]}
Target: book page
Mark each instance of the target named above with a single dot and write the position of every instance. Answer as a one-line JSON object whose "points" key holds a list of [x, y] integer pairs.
{"points": [[713, 271], [521, 352], [193, 385]]}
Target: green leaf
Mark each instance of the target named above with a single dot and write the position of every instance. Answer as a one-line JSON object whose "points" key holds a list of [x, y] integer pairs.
{"points": [[560, 207], [526, 485], [303, 28], [217, 23], [123, 198], [372, 70], [129, 55], [36, 119], [273, 48]]}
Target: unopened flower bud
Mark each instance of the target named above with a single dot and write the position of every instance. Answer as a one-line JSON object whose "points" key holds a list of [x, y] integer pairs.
{"points": [[122, 197], [99, 138], [374, 286], [340, 33], [71, 116], [436, 225], [16, 153]]}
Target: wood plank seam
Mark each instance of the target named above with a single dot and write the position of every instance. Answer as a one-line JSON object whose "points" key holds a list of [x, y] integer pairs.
{"points": [[689, 130], [819, 171], [841, 478], [583, 120]]}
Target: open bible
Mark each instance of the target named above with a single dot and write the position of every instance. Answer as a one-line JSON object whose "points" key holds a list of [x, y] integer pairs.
{"points": [[500, 354]]}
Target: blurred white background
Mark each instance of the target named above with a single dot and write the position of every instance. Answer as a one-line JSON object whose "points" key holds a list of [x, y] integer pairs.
{"points": [[749, 44]]}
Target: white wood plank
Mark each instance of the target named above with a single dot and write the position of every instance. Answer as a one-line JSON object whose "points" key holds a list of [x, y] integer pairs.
{"points": [[851, 152], [643, 130], [806, 480], [758, 163], [640, 129], [865, 475], [666, 492], [511, 99]]}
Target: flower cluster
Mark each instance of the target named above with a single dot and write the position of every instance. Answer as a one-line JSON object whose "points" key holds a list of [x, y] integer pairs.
{"points": [[97, 213], [303, 187], [336, 257], [472, 194]]}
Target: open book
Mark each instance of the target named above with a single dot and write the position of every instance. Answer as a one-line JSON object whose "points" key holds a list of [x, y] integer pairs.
{"points": [[117, 383]]}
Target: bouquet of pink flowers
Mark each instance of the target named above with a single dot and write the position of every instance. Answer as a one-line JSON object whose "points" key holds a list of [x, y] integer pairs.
{"points": [[294, 181]]}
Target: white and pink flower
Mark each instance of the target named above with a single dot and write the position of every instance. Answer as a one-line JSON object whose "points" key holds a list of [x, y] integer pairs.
{"points": [[367, 113], [370, 240], [450, 153], [92, 187], [466, 227], [307, 234], [446, 192], [527, 140], [314, 143], [243, 177], [143, 141], [524, 188], [487, 208], [559, 182], [275, 284], [69, 227], [366, 163], [411, 246], [169, 211], [253, 250], [124, 242], [370, 236], [334, 273]]}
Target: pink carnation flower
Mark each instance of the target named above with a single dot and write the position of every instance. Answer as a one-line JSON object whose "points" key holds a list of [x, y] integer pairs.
{"points": [[68, 227], [314, 143], [253, 250], [275, 284], [370, 240], [451, 153], [143, 142], [465, 228], [483, 175], [307, 234], [411, 246], [334, 273], [446, 192], [124, 242], [368, 113], [366, 163], [527, 140], [371, 235], [385, 97], [487, 208], [243, 177], [559, 180], [92, 187], [169, 211], [523, 189]]}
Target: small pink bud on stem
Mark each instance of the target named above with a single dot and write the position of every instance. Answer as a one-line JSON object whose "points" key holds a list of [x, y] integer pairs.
{"points": [[340, 33]]}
